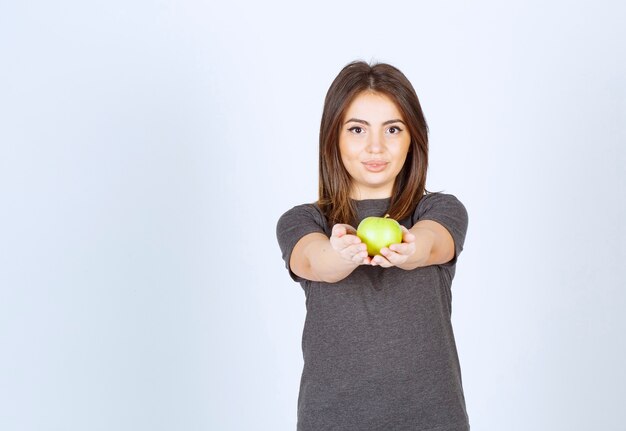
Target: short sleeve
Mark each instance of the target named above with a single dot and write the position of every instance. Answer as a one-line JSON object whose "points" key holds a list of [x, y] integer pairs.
{"points": [[448, 211], [295, 224]]}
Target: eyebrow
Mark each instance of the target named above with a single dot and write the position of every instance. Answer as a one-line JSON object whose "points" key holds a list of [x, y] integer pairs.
{"points": [[356, 120]]}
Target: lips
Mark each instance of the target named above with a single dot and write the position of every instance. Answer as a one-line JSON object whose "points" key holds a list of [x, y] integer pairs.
{"points": [[375, 165]]}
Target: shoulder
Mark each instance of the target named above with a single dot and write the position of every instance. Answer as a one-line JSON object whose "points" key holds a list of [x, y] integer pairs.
{"points": [[439, 202], [309, 211], [302, 217], [448, 211], [295, 224], [445, 209]]}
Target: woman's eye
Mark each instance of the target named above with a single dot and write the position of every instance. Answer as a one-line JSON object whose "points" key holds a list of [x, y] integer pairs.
{"points": [[356, 130]]}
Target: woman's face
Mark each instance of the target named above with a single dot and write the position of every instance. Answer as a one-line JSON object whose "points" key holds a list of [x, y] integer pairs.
{"points": [[373, 141]]}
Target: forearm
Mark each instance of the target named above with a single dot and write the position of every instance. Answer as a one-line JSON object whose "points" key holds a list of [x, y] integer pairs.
{"points": [[326, 264]]}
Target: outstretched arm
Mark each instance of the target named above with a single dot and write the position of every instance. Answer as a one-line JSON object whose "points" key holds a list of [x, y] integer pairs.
{"points": [[316, 257], [426, 243]]}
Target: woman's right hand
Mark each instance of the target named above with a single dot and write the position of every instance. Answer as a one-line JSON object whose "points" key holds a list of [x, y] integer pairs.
{"points": [[344, 241], [316, 257]]}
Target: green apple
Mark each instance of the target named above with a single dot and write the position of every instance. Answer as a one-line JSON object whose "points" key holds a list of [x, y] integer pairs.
{"points": [[379, 232]]}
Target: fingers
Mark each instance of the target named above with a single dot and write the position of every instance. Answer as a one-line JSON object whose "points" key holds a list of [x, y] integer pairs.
{"points": [[407, 236], [381, 261], [355, 253], [340, 230], [405, 249], [360, 257], [345, 240], [396, 254], [349, 246], [342, 237]]}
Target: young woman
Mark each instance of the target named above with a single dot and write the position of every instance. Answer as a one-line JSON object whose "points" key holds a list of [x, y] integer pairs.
{"points": [[378, 345]]}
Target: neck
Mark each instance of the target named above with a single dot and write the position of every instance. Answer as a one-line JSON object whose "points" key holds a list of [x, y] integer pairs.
{"points": [[360, 194]]}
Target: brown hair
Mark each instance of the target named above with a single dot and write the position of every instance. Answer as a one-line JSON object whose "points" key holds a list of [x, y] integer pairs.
{"points": [[334, 180]]}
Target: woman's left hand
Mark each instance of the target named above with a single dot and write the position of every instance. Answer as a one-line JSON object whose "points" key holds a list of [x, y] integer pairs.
{"points": [[396, 254]]}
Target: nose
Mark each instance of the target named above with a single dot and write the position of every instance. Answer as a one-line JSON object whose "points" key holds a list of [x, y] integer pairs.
{"points": [[375, 143]]}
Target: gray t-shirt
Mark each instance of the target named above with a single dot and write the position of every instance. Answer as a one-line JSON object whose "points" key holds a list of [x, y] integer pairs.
{"points": [[378, 346]]}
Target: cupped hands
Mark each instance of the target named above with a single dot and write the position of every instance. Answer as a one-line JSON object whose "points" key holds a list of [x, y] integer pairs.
{"points": [[351, 249]]}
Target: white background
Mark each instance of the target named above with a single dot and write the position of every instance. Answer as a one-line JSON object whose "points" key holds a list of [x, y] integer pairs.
{"points": [[147, 150]]}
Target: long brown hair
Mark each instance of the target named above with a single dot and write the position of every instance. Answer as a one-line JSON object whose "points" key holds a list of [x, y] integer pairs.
{"points": [[334, 180]]}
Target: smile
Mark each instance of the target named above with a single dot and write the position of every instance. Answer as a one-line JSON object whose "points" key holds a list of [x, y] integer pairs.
{"points": [[375, 165]]}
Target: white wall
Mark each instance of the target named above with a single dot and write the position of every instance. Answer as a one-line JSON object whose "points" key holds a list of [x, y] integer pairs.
{"points": [[148, 148]]}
